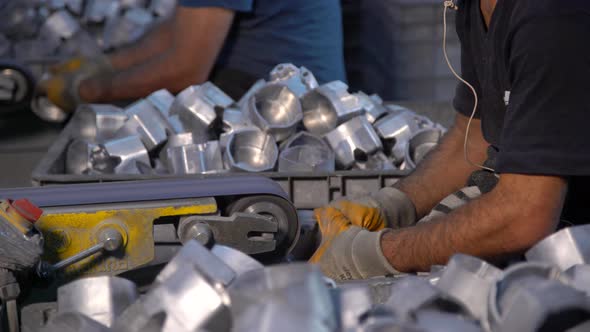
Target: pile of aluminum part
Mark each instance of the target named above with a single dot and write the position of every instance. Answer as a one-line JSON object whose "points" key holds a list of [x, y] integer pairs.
{"points": [[36, 31], [287, 124], [223, 289]]}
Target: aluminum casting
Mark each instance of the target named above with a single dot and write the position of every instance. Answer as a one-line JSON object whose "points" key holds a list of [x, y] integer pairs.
{"points": [[251, 150], [328, 106], [276, 110], [298, 80], [564, 249], [355, 139]]}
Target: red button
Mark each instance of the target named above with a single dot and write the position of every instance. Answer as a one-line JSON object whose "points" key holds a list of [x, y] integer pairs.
{"points": [[27, 209]]}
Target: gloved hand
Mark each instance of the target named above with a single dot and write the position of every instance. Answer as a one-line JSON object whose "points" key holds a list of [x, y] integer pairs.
{"points": [[349, 252], [63, 83], [387, 208]]}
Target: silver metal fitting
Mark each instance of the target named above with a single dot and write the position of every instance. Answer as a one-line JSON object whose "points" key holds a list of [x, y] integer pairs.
{"points": [[100, 121], [420, 145], [79, 156], [195, 158], [145, 121], [306, 152], [563, 249], [175, 141], [396, 129], [276, 110], [298, 80], [327, 106], [197, 107], [251, 150], [373, 106], [101, 298], [352, 140], [121, 156]]}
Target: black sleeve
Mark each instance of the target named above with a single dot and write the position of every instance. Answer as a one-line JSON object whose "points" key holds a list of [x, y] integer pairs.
{"points": [[546, 128], [464, 101]]}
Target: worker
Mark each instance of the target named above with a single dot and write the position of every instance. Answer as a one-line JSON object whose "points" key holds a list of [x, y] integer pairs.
{"points": [[528, 156], [232, 43]]}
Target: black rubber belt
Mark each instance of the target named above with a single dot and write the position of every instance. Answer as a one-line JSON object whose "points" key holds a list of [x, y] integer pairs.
{"points": [[146, 190]]}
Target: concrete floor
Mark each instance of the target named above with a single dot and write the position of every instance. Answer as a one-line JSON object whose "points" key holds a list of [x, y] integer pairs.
{"points": [[24, 140]]}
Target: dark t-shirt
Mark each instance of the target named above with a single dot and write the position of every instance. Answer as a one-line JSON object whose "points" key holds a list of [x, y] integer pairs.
{"points": [[268, 32], [531, 70]]}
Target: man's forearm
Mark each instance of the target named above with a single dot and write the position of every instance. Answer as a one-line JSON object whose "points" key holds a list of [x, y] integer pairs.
{"points": [[503, 222], [444, 170], [155, 42], [199, 35]]}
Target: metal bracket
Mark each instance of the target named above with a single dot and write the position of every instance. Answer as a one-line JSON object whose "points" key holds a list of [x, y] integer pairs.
{"points": [[246, 232]]}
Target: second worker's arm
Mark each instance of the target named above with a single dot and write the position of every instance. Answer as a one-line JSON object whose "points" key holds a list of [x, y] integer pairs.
{"points": [[198, 34]]}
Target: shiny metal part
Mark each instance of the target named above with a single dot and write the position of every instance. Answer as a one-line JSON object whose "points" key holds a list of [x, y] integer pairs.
{"points": [[145, 121], [307, 158], [298, 80], [353, 140], [58, 27], [251, 150], [81, 44], [328, 106], [121, 156], [506, 290], [564, 249], [396, 130], [420, 145], [304, 139], [198, 231], [102, 298], [234, 119], [354, 303], [196, 106], [298, 287], [580, 277], [195, 158], [79, 156], [163, 8], [412, 294], [187, 296], [46, 110], [469, 280], [162, 101], [236, 260], [98, 11], [433, 320], [73, 322], [276, 110], [253, 89], [373, 106], [375, 162], [538, 303], [127, 28], [100, 121], [198, 258], [174, 141]]}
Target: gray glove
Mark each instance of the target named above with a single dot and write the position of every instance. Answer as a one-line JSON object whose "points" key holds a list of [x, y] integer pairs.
{"points": [[394, 209], [356, 254]]}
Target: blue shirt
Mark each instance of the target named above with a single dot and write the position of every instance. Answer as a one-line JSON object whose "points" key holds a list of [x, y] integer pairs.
{"points": [[268, 32]]}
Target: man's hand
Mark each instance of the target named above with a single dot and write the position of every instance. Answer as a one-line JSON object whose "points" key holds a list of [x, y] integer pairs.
{"points": [[62, 86], [348, 252], [387, 208], [196, 37], [520, 211]]}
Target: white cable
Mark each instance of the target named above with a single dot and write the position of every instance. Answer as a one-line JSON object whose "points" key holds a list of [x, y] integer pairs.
{"points": [[451, 4]]}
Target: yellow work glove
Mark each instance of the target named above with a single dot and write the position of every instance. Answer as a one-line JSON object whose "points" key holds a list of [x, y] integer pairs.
{"points": [[331, 223], [346, 251], [387, 208], [63, 82]]}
